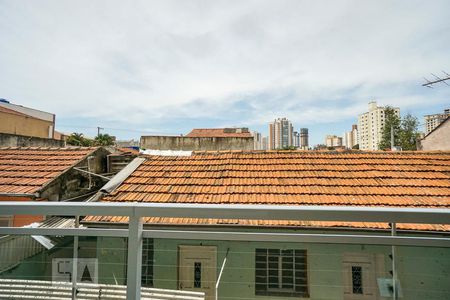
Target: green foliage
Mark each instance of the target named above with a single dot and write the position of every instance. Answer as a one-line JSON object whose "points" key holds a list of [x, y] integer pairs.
{"points": [[104, 140], [356, 147], [390, 120], [409, 132], [405, 131], [78, 139]]}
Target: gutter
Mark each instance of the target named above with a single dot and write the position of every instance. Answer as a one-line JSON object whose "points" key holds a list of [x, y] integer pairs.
{"points": [[35, 195]]}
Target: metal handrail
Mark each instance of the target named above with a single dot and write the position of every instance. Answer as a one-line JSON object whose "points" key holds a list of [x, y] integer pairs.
{"points": [[233, 211]]}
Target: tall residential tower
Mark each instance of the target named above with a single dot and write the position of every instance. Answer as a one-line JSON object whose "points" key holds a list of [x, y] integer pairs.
{"points": [[370, 126], [281, 134]]}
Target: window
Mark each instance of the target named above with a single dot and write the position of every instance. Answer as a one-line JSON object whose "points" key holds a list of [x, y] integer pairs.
{"points": [[147, 262], [5, 221], [281, 272]]}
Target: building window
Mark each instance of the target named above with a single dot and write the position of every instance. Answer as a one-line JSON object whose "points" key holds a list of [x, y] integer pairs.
{"points": [[281, 272], [147, 262], [5, 221]]}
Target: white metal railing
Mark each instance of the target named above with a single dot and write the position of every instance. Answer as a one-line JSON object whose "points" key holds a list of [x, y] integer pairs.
{"points": [[136, 211]]}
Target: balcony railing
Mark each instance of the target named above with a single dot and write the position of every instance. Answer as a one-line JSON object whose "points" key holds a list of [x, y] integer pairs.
{"points": [[276, 284]]}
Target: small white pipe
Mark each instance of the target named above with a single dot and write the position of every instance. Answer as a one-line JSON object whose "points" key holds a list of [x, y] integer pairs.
{"points": [[220, 273]]}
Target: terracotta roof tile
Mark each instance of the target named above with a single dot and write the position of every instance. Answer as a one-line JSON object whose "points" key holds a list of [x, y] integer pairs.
{"points": [[25, 170], [394, 179]]}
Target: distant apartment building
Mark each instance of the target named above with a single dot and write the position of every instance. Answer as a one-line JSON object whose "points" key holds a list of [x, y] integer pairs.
{"points": [[296, 139], [265, 143], [351, 137], [333, 141], [257, 140], [21, 120], [304, 139], [281, 134], [370, 126], [433, 121]]}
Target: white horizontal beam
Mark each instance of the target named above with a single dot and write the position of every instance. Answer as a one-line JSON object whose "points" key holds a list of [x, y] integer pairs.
{"points": [[300, 238], [63, 231], [232, 211]]}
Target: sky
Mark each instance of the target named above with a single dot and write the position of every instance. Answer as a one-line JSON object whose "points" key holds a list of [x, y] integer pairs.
{"points": [[165, 67]]}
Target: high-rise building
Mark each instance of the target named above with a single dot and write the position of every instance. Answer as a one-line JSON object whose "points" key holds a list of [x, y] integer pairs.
{"points": [[296, 139], [280, 134], [304, 140], [370, 126], [433, 121], [351, 137], [333, 141], [265, 143], [257, 140]]}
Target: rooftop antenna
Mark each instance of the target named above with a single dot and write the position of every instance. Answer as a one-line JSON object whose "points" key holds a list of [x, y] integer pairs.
{"points": [[437, 79]]}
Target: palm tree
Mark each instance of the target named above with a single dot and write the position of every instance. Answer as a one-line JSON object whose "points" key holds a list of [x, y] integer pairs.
{"points": [[104, 140]]}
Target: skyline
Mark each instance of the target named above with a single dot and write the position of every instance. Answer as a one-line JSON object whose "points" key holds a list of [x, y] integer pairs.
{"points": [[221, 64]]}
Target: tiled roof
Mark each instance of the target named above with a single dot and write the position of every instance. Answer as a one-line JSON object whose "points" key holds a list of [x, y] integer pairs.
{"points": [[216, 132], [27, 170], [393, 179]]}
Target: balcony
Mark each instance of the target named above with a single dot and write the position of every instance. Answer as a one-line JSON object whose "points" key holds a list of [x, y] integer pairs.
{"points": [[137, 261]]}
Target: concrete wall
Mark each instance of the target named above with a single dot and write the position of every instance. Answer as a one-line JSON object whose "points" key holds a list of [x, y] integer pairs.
{"points": [[439, 139], [22, 125], [14, 140], [196, 143]]}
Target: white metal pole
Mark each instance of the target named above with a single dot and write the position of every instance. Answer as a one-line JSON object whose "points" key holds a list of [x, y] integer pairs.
{"points": [[134, 261], [394, 273], [75, 261]]}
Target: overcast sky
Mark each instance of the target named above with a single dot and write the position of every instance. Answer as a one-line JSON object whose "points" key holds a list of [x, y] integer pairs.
{"points": [[169, 66]]}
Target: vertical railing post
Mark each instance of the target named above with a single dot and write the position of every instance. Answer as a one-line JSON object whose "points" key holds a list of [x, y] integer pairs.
{"points": [[134, 261], [394, 272], [75, 261]]}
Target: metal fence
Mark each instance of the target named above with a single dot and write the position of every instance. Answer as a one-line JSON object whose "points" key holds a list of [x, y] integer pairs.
{"points": [[136, 211]]}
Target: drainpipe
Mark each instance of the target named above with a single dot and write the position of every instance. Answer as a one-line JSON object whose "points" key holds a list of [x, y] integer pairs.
{"points": [[220, 274]]}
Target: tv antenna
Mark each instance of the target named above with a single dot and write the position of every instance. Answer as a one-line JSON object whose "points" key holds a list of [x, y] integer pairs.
{"points": [[437, 79]]}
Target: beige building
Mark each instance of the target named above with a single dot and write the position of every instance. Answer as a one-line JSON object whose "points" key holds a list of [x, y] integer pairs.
{"points": [[281, 134], [20, 120], [438, 138], [333, 141], [370, 126], [351, 137], [433, 121]]}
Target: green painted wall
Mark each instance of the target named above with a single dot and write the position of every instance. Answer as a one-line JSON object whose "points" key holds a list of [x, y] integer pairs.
{"points": [[423, 272]]}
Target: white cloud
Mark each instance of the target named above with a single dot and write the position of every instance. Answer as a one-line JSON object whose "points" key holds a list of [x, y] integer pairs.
{"points": [[138, 61]]}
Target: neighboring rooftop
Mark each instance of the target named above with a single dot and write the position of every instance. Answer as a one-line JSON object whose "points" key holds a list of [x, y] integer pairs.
{"points": [[26, 170], [26, 111], [219, 132], [394, 179]]}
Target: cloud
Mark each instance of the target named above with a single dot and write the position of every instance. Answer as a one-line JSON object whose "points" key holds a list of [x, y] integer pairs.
{"points": [[151, 63]]}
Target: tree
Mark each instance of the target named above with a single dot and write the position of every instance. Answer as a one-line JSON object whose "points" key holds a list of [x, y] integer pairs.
{"points": [[391, 120], [104, 140], [75, 139], [78, 139], [356, 147], [409, 132]]}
